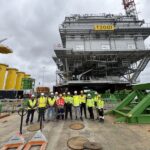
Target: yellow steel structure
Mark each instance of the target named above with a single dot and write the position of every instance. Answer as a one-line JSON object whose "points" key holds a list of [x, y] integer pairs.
{"points": [[3, 68], [27, 76], [20, 76], [11, 79]]}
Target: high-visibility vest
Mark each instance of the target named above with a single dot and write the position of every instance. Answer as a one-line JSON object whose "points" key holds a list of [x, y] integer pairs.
{"points": [[51, 101], [90, 102], [100, 103], [69, 99], [32, 104], [42, 102], [96, 98], [60, 102], [82, 98], [76, 100]]}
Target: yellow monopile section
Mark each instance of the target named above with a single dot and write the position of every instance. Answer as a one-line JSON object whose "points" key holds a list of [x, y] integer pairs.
{"points": [[27, 76], [11, 79], [20, 76], [3, 68]]}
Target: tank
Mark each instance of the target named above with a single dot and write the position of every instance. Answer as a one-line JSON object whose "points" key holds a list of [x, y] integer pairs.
{"points": [[11, 79], [20, 76], [3, 68]]}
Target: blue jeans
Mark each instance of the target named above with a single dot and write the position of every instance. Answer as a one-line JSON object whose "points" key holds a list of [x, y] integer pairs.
{"points": [[51, 113]]}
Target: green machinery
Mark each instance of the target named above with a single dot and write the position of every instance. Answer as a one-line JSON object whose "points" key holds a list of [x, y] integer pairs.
{"points": [[116, 96], [28, 83], [135, 107]]}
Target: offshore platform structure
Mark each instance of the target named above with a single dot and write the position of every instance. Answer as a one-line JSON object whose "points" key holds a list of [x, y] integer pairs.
{"points": [[104, 51]]}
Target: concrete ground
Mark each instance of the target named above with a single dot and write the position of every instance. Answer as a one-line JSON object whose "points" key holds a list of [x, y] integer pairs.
{"points": [[111, 136]]}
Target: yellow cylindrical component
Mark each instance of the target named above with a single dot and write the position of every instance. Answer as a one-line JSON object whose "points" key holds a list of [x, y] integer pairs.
{"points": [[11, 79], [27, 76], [20, 76], [3, 68]]}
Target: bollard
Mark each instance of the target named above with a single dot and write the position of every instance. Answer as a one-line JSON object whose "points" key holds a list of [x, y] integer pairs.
{"points": [[21, 112]]}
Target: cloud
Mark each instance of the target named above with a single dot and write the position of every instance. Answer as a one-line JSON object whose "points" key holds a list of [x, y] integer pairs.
{"points": [[31, 27]]}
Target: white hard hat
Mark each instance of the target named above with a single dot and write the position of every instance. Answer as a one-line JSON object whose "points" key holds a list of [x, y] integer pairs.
{"points": [[75, 92], [89, 95], [52, 93], [32, 95], [56, 92], [96, 92], [42, 94], [68, 93]]}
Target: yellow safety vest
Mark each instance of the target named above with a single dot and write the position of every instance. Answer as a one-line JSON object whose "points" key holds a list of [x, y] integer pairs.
{"points": [[51, 101], [82, 98], [32, 103], [42, 102], [96, 98], [76, 100], [90, 102], [100, 103], [69, 99]]}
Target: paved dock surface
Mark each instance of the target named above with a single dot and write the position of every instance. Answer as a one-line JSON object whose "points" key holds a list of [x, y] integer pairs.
{"points": [[110, 135]]}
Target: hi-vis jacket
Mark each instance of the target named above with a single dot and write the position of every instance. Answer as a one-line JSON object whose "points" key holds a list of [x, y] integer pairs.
{"points": [[76, 101], [51, 101], [42, 102], [90, 102], [31, 104], [82, 98], [100, 103]]}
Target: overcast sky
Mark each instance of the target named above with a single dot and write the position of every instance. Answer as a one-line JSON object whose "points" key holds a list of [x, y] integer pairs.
{"points": [[31, 27]]}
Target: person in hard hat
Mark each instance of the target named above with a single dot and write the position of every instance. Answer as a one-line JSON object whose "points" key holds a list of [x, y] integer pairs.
{"points": [[42, 103], [90, 105], [60, 102], [100, 106], [64, 97], [51, 107], [32, 103], [82, 98], [95, 103], [56, 95], [76, 104], [69, 101]]}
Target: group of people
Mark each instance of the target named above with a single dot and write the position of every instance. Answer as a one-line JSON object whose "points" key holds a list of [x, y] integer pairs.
{"points": [[60, 105]]}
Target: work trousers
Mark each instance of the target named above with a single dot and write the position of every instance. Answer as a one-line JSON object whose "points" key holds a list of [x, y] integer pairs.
{"points": [[77, 111], [101, 114], [51, 113], [96, 110], [68, 110], [83, 108], [60, 113], [41, 114], [30, 113], [90, 109]]}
